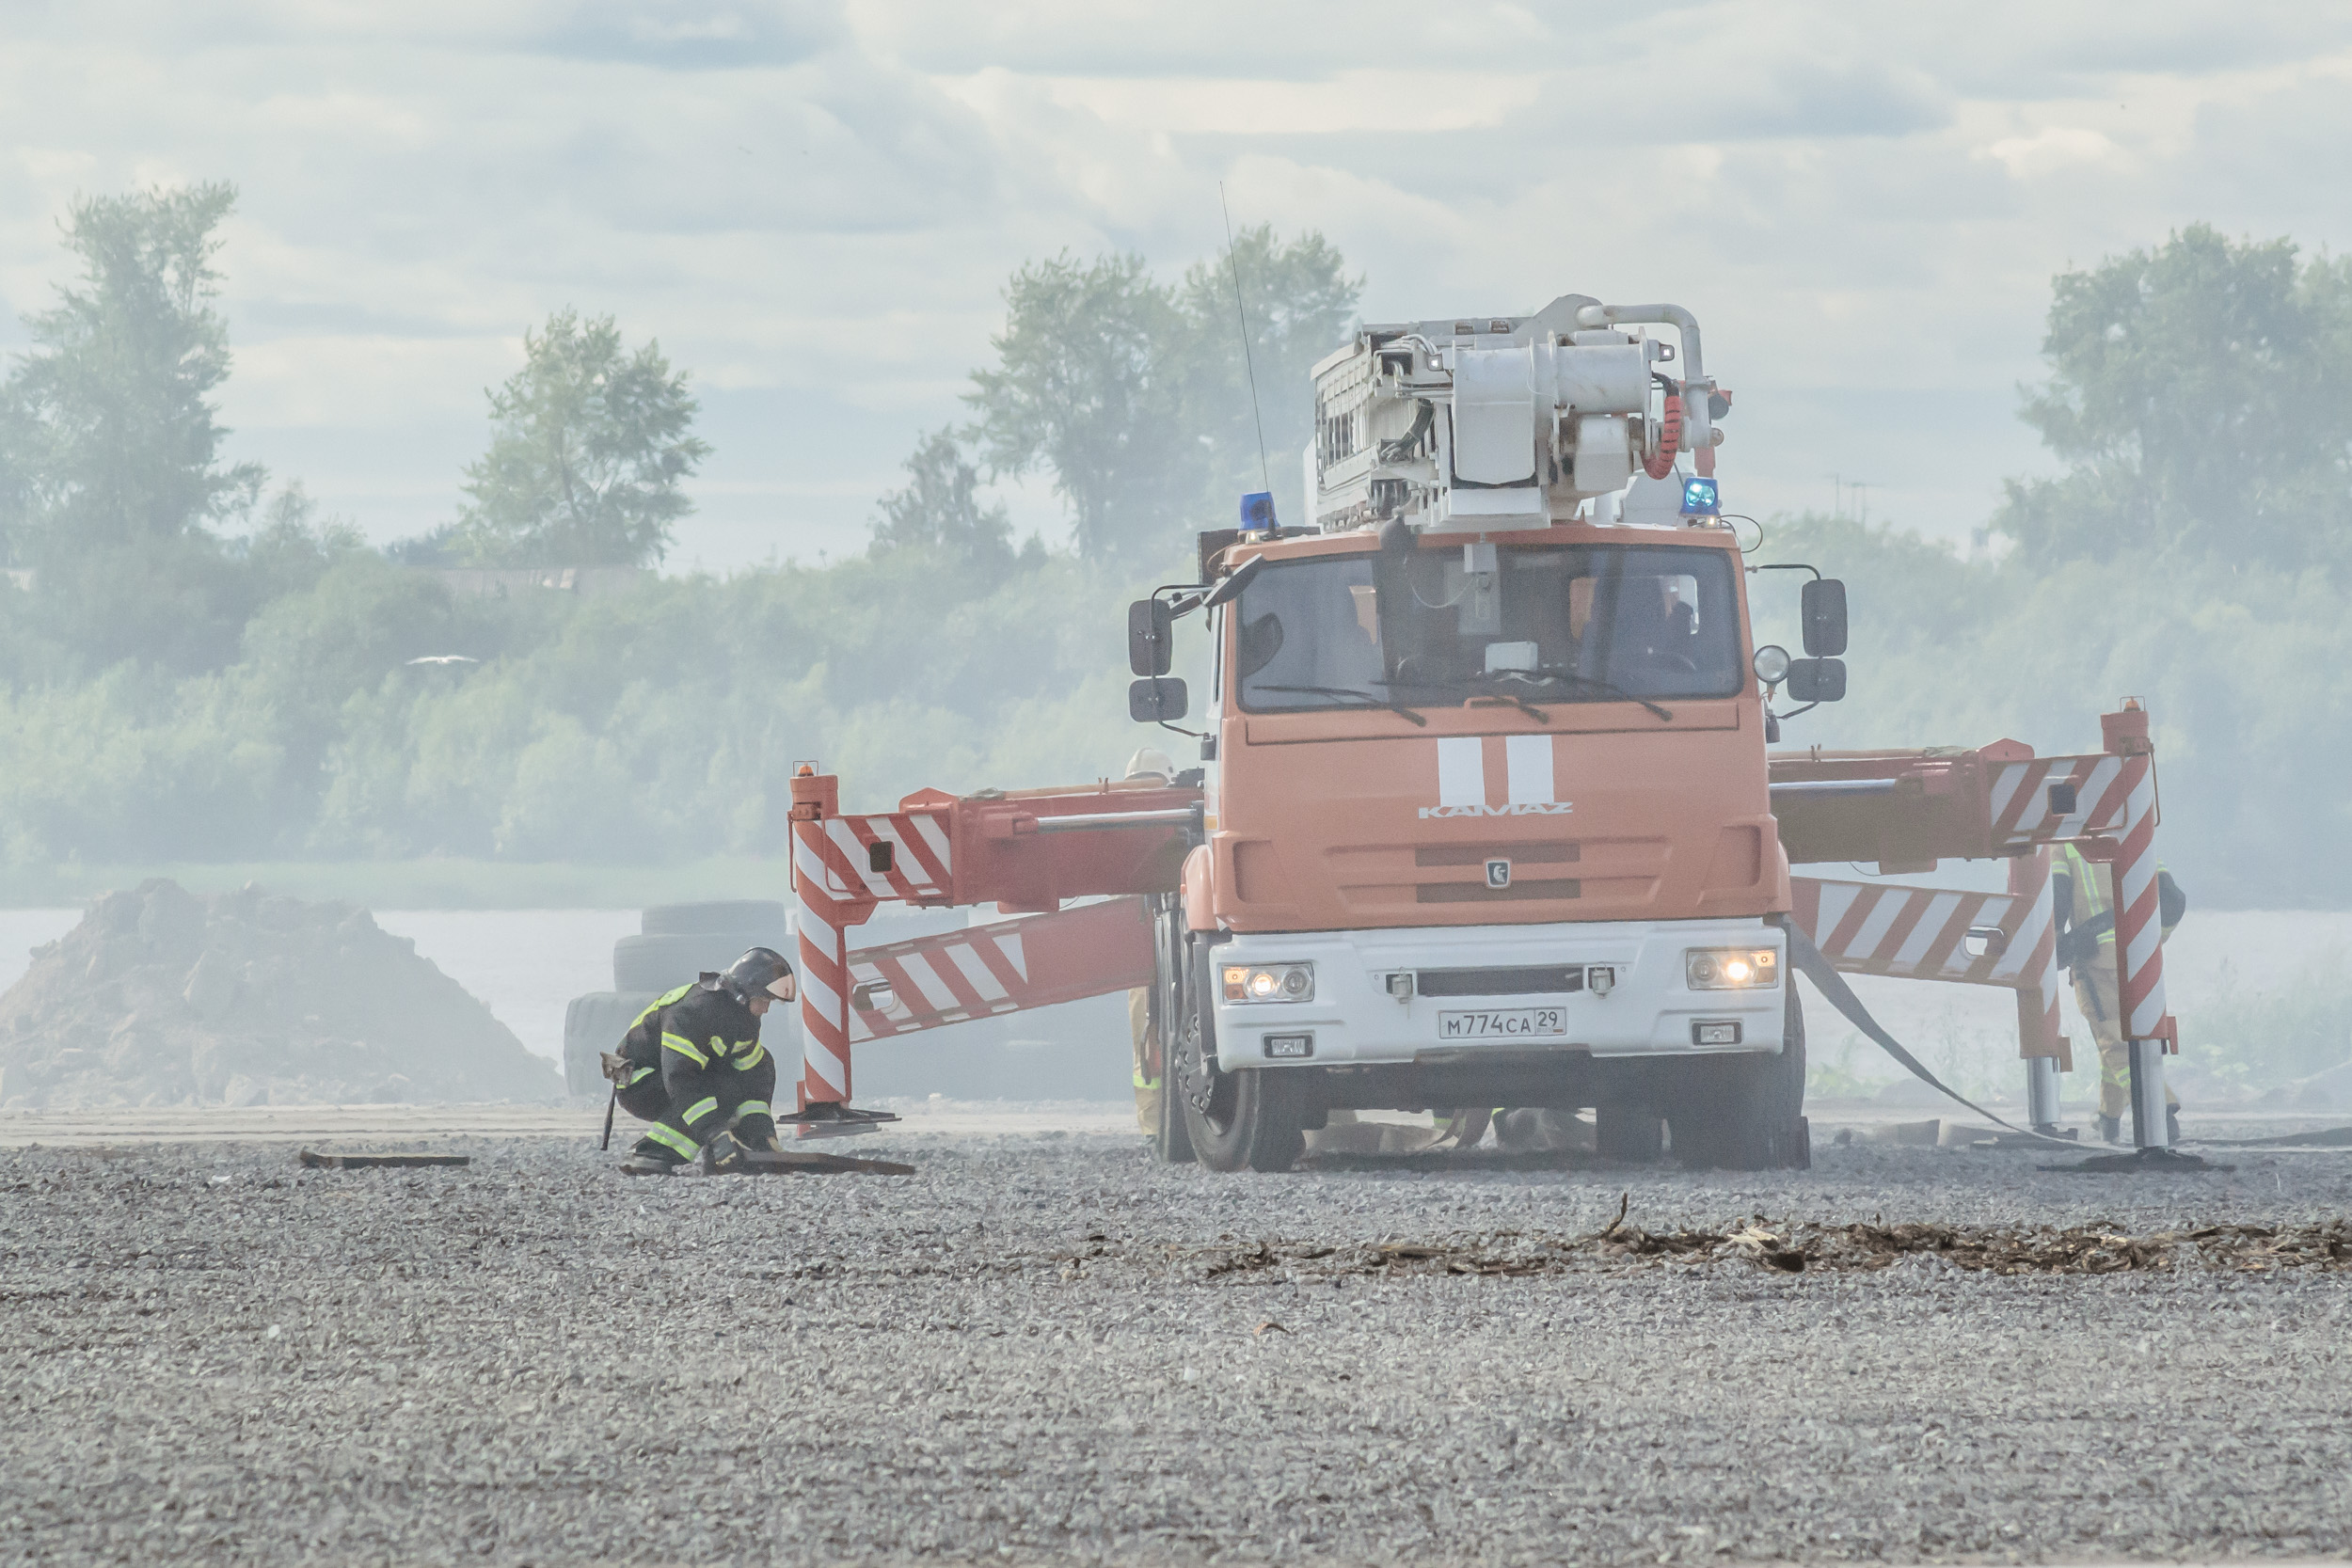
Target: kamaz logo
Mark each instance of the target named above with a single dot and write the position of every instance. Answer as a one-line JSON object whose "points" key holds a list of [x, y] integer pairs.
{"points": [[1516, 808], [1526, 781]]}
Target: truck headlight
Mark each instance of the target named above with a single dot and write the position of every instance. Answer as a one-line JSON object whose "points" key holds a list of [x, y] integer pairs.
{"points": [[1269, 982], [1731, 968]]}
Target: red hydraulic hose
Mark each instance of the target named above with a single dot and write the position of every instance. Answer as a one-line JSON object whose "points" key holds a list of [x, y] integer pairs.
{"points": [[1661, 462]]}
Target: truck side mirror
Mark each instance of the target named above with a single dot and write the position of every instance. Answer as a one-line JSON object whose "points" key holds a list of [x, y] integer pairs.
{"points": [[1824, 613], [1817, 680], [1159, 700], [1231, 588], [1150, 637]]}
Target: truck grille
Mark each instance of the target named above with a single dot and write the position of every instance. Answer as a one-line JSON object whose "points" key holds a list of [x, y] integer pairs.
{"points": [[1474, 854], [1479, 892], [1541, 980]]}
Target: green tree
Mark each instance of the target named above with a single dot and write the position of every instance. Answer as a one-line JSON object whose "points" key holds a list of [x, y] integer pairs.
{"points": [[110, 474], [1300, 304], [1090, 385], [2201, 393], [111, 437], [1135, 396], [939, 511], [590, 450]]}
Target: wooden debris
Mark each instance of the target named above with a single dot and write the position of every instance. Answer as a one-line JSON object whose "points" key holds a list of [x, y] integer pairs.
{"points": [[309, 1161]]}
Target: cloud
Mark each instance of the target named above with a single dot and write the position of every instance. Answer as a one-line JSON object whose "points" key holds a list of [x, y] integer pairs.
{"points": [[688, 34], [2053, 147], [814, 206]]}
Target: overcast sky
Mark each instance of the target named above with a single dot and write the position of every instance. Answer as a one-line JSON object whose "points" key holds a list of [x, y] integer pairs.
{"points": [[813, 206]]}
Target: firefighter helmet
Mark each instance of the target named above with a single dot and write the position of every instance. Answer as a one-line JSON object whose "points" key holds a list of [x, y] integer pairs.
{"points": [[761, 972]]}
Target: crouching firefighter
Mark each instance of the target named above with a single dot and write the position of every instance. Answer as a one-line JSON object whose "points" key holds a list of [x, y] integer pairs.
{"points": [[692, 1065]]}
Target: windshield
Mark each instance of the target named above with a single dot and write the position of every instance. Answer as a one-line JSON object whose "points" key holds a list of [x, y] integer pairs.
{"points": [[1584, 622]]}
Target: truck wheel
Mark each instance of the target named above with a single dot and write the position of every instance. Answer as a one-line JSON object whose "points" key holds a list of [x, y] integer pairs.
{"points": [[1634, 1134], [1172, 1143], [1747, 1112], [1234, 1121]]}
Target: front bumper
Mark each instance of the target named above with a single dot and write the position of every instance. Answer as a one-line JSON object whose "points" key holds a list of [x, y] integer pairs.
{"points": [[1649, 1011]]}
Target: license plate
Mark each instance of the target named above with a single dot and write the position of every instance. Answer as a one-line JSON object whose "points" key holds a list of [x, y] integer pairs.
{"points": [[1503, 1023]]}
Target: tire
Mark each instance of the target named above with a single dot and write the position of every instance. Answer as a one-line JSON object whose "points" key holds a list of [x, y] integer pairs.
{"points": [[1171, 1145], [1171, 1140], [1234, 1121], [730, 915], [1747, 1112], [659, 963], [593, 1024], [1633, 1134]]}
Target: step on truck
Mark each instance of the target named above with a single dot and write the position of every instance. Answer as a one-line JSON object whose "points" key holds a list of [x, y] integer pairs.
{"points": [[1486, 819]]}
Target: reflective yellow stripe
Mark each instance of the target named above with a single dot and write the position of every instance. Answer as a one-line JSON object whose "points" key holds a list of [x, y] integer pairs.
{"points": [[759, 1054], [685, 1146], [752, 1108], [658, 1003], [684, 1047], [702, 1108], [641, 1075], [2085, 878]]}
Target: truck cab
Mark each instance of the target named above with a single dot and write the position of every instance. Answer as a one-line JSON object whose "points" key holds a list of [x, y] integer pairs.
{"points": [[1486, 819]]}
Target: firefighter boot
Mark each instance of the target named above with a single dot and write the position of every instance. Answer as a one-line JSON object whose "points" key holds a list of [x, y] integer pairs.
{"points": [[649, 1159], [2111, 1130]]}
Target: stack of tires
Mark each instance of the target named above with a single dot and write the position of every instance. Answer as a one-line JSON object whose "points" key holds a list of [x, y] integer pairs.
{"points": [[674, 944]]}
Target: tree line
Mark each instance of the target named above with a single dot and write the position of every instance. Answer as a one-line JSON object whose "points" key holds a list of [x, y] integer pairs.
{"points": [[206, 668], [209, 668]]}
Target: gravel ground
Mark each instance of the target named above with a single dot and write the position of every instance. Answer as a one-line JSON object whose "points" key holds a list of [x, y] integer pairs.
{"points": [[1043, 1348]]}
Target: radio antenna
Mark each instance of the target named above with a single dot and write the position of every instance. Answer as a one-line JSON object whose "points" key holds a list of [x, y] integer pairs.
{"points": [[1233, 261]]}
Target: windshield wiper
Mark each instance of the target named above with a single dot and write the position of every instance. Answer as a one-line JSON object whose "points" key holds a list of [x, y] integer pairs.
{"points": [[1593, 683], [1364, 698], [1512, 697]]}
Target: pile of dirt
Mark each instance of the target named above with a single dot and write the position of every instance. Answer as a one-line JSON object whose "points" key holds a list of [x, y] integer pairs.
{"points": [[161, 998]]}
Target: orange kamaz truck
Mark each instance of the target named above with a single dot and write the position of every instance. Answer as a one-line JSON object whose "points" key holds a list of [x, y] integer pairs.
{"points": [[1486, 820]]}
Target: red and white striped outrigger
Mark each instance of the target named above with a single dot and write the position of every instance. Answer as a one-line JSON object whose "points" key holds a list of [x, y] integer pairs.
{"points": [[1909, 809], [1027, 852], [1030, 851]]}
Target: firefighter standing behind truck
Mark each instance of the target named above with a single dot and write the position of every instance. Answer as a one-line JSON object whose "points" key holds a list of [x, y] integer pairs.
{"points": [[2082, 895], [1152, 766], [692, 1065]]}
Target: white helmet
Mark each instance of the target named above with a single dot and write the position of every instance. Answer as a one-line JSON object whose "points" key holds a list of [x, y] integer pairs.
{"points": [[1150, 762]]}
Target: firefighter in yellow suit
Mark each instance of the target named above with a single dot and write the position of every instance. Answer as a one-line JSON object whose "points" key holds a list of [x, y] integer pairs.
{"points": [[1153, 766], [2082, 894]]}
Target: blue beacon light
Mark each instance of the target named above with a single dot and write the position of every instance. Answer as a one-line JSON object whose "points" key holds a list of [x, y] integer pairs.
{"points": [[1257, 512], [1700, 498]]}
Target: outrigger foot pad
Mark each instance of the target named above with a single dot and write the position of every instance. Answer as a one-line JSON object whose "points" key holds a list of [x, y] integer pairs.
{"points": [[827, 1118], [760, 1162], [2146, 1161]]}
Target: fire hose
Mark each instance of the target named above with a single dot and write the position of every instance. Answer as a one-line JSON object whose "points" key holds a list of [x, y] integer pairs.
{"points": [[1661, 462], [1831, 985]]}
